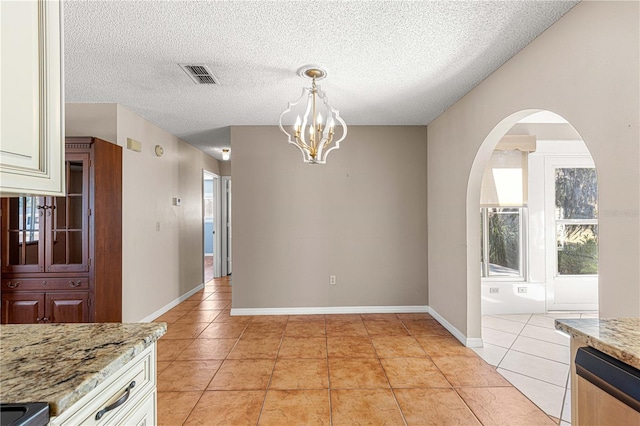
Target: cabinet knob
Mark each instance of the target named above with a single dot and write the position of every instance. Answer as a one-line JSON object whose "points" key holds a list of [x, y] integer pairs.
{"points": [[45, 319], [38, 319], [75, 284], [12, 284]]}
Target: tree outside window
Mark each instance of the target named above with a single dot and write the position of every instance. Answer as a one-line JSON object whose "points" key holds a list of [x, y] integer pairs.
{"points": [[576, 206]]}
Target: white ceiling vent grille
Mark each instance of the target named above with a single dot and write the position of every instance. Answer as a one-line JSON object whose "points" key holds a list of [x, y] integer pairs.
{"points": [[199, 73]]}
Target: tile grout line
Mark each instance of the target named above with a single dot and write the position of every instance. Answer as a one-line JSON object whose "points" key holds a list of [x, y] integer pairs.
{"points": [[201, 394], [538, 356], [534, 378], [507, 352], [465, 402], [370, 338], [326, 349], [218, 370], [564, 397], [448, 381], [386, 376], [205, 389], [530, 377], [275, 361], [519, 335]]}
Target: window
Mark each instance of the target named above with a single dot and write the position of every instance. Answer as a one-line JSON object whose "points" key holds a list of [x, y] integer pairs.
{"points": [[503, 242], [576, 216]]}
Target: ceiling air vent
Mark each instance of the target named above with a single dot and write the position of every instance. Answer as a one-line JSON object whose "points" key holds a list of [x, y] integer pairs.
{"points": [[199, 73]]}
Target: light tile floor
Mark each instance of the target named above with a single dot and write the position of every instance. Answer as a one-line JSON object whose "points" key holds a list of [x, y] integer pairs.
{"points": [[534, 357], [403, 369]]}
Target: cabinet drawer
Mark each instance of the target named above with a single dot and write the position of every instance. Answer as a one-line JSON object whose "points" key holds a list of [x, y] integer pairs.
{"points": [[144, 414], [119, 390], [44, 284]]}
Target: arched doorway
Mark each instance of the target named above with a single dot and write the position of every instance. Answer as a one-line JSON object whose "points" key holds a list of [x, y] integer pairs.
{"points": [[556, 245], [538, 231]]}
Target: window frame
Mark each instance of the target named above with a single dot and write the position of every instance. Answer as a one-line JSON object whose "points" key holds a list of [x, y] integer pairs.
{"points": [[523, 244]]}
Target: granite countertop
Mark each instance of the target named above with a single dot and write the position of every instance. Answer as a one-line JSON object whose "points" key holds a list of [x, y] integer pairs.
{"points": [[618, 337], [60, 363]]}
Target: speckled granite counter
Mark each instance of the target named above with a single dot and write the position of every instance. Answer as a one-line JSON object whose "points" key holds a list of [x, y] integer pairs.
{"points": [[619, 338], [60, 363]]}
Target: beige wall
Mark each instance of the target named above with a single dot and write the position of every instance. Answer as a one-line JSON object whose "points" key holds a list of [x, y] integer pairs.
{"points": [[584, 68], [158, 265], [192, 162], [97, 120], [361, 217], [225, 168]]}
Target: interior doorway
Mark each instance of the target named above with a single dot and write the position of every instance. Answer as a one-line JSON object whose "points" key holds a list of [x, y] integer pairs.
{"points": [[538, 218], [211, 225]]}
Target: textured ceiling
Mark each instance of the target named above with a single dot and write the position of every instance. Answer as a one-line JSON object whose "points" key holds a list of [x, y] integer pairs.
{"points": [[388, 62]]}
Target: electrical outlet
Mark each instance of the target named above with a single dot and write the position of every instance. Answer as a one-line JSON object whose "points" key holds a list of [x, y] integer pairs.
{"points": [[494, 290], [332, 279], [522, 289]]}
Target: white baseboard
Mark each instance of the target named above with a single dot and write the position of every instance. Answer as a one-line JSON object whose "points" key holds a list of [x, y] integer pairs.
{"points": [[468, 342], [172, 304], [472, 342], [331, 310]]}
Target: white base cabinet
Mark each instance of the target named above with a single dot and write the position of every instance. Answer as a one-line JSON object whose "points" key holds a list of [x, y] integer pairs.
{"points": [[127, 397]]}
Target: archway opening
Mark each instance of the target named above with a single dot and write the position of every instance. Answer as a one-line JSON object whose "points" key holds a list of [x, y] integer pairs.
{"points": [[532, 227]]}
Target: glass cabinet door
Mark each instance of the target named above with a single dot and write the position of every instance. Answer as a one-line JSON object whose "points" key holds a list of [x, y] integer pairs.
{"points": [[23, 234], [49, 234], [67, 247]]}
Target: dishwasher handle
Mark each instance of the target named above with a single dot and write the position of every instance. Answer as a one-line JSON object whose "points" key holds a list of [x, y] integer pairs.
{"points": [[616, 378]]}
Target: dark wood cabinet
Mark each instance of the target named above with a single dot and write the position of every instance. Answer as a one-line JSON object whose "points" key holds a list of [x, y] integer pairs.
{"points": [[22, 307], [67, 307], [62, 256]]}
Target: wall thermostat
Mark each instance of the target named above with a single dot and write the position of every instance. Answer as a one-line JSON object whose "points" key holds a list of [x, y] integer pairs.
{"points": [[159, 151]]}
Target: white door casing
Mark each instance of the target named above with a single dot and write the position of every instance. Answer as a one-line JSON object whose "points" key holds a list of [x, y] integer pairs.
{"points": [[565, 292]]}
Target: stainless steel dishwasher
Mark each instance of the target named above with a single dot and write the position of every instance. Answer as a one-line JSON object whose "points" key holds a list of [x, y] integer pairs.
{"points": [[608, 390]]}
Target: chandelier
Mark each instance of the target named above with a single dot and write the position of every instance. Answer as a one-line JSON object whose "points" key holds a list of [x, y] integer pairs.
{"points": [[318, 128]]}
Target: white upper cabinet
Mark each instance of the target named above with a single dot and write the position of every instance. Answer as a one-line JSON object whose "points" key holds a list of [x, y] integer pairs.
{"points": [[31, 98]]}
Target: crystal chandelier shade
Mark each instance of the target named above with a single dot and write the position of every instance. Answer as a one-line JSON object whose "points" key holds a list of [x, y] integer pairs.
{"points": [[311, 124]]}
